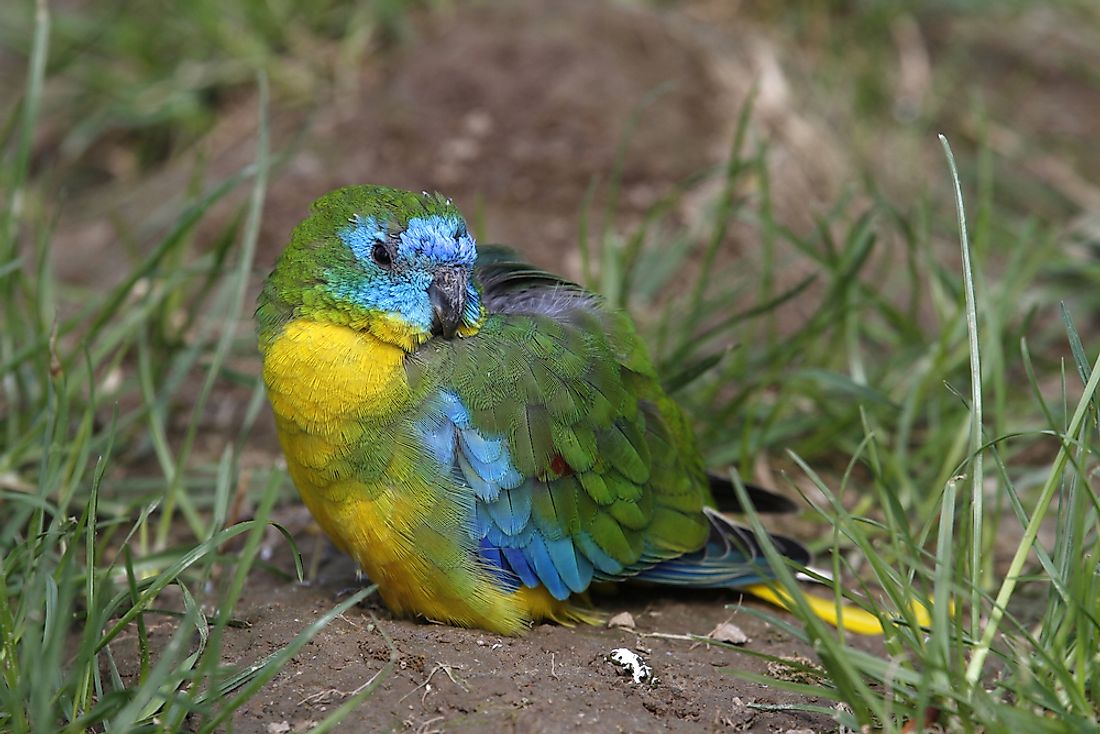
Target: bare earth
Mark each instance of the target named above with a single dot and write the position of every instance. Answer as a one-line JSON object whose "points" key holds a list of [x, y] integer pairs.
{"points": [[553, 679]]}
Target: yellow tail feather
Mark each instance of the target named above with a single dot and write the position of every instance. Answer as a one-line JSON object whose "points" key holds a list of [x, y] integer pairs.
{"points": [[851, 618]]}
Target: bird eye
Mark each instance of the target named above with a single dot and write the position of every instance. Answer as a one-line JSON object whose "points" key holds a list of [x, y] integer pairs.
{"points": [[381, 256]]}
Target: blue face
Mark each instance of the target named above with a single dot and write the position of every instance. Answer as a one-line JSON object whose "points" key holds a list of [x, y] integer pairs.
{"points": [[399, 268]]}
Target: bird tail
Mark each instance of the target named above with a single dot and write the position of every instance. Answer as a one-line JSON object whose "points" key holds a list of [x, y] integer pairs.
{"points": [[851, 618], [730, 559], [733, 559], [762, 500]]}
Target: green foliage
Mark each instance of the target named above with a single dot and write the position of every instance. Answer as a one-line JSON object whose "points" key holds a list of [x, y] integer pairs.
{"points": [[917, 392], [148, 78], [89, 555]]}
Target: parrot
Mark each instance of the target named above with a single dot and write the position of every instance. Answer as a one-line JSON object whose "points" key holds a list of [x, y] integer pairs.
{"points": [[487, 440]]}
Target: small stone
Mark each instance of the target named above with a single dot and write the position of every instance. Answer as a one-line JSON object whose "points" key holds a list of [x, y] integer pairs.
{"points": [[727, 632], [631, 663], [478, 123], [622, 619], [278, 727]]}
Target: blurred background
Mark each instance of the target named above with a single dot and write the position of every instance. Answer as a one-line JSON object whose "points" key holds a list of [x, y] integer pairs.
{"points": [[760, 184], [516, 108], [788, 149]]}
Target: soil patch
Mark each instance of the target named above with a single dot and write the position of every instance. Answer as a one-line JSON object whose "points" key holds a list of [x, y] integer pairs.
{"points": [[553, 679]]}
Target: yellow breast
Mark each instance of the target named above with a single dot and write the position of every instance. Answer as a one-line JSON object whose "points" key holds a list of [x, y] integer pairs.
{"points": [[321, 375], [333, 390], [327, 384]]}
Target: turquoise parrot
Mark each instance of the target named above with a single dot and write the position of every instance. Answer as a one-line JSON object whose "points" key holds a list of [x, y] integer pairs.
{"points": [[487, 440]]}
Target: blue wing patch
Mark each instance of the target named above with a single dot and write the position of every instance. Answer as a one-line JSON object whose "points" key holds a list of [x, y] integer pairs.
{"points": [[524, 546], [507, 541]]}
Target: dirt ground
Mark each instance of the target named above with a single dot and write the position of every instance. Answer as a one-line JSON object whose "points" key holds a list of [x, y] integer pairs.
{"points": [[511, 109], [553, 679]]}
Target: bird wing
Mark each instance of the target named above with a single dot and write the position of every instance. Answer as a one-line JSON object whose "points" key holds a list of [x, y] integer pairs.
{"points": [[552, 418]]}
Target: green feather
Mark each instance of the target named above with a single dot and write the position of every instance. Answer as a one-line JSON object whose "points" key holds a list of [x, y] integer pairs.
{"points": [[576, 444], [597, 488]]}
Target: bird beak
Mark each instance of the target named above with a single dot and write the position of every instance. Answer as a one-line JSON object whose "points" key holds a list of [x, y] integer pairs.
{"points": [[448, 296]]}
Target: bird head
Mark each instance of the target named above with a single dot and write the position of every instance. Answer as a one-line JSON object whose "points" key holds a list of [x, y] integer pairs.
{"points": [[396, 264]]}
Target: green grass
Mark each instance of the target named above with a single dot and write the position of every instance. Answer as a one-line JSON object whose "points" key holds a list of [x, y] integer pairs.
{"points": [[940, 415], [936, 451], [144, 81], [88, 550]]}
